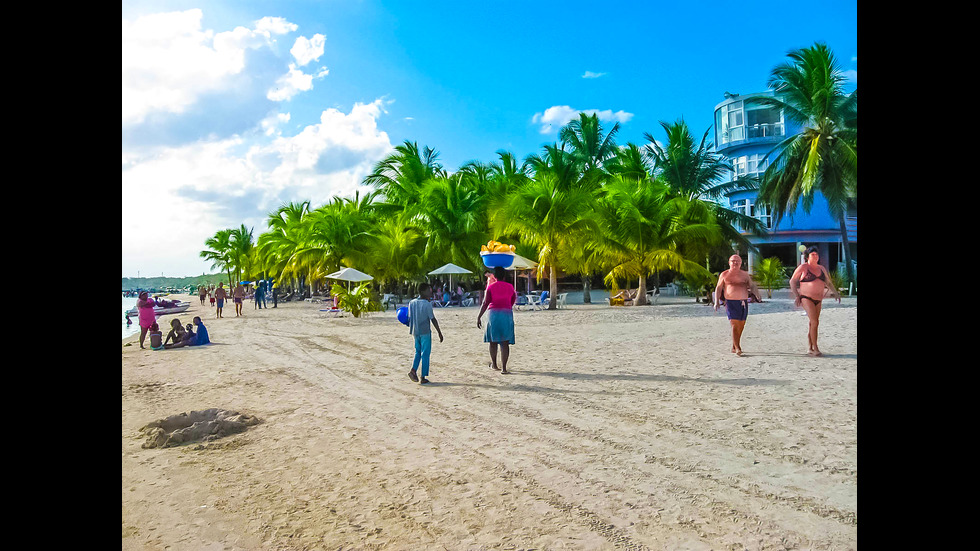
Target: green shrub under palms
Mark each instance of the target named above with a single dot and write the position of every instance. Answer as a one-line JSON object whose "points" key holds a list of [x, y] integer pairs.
{"points": [[771, 274]]}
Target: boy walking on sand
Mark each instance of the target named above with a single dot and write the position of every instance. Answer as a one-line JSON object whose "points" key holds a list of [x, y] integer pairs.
{"points": [[419, 315]]}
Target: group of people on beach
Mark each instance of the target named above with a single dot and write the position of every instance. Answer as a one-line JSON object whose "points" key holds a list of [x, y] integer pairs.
{"points": [[194, 334], [809, 283], [218, 295], [735, 290]]}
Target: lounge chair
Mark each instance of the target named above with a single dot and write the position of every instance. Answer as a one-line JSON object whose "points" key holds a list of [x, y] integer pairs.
{"points": [[561, 302]]}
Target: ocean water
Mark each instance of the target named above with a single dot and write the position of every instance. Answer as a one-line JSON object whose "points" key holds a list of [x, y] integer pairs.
{"points": [[133, 329]]}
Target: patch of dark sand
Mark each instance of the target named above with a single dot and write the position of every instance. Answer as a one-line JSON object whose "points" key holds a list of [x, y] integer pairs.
{"points": [[196, 426]]}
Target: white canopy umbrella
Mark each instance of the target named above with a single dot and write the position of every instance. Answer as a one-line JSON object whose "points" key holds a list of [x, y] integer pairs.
{"points": [[521, 263], [348, 275], [450, 269]]}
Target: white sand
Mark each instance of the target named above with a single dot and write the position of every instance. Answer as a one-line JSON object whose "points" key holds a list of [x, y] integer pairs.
{"points": [[621, 428]]}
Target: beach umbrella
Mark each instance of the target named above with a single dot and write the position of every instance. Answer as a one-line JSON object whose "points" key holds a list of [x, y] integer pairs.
{"points": [[521, 263], [450, 269], [349, 275]]}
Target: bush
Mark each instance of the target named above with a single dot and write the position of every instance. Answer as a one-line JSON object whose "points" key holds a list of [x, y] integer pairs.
{"points": [[771, 274], [357, 300]]}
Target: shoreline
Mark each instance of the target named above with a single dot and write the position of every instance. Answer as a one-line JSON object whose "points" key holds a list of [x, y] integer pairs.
{"points": [[620, 426]]}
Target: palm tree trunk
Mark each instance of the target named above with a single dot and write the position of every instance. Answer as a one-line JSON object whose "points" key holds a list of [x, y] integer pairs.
{"points": [[553, 286], [587, 288], [641, 292]]}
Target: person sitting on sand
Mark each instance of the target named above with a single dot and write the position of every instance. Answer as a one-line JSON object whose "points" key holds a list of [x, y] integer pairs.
{"points": [[156, 337], [176, 334], [202, 332]]}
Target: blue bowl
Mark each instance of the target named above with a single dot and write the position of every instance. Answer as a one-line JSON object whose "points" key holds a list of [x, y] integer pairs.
{"points": [[403, 314], [492, 260]]}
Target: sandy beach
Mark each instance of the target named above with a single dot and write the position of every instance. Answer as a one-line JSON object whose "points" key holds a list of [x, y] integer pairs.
{"points": [[620, 428]]}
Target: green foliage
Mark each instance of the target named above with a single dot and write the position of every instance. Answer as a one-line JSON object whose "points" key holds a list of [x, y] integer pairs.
{"points": [[358, 300], [771, 274]]}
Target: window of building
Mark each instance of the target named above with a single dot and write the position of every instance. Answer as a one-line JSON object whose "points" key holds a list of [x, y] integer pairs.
{"points": [[729, 123], [749, 165], [763, 121]]}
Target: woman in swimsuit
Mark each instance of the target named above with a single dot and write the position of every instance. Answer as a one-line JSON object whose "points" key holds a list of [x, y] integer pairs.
{"points": [[809, 284]]}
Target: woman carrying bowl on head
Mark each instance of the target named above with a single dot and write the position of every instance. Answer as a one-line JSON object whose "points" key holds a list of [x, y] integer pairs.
{"points": [[499, 299]]}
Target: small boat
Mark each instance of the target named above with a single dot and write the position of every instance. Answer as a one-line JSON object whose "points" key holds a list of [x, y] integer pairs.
{"points": [[177, 308]]}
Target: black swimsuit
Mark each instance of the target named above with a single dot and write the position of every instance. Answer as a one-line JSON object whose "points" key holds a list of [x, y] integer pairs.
{"points": [[810, 277]]}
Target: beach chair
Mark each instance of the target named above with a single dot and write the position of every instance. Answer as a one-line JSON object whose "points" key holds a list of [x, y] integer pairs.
{"points": [[561, 302]]}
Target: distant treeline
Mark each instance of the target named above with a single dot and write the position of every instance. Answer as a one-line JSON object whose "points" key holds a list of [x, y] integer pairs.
{"points": [[133, 283]]}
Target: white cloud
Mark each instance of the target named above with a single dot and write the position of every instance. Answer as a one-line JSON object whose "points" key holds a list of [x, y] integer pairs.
{"points": [[176, 198], [557, 116], [290, 84], [169, 62], [852, 75], [590, 74], [305, 50]]}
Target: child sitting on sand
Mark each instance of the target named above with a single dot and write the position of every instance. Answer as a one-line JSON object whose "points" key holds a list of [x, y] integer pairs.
{"points": [[156, 337]]}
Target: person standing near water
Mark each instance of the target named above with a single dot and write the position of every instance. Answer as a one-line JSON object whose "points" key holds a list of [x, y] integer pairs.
{"points": [[144, 305], [499, 298]]}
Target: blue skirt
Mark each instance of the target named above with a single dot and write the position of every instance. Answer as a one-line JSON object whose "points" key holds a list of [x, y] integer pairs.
{"points": [[500, 326]]}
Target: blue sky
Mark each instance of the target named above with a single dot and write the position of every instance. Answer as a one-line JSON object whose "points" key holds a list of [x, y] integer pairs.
{"points": [[233, 108]]}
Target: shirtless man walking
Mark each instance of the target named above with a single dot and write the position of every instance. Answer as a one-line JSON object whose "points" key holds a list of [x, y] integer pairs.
{"points": [[734, 287], [220, 294], [238, 296]]}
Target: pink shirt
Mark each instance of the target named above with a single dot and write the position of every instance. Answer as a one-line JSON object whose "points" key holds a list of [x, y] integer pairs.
{"points": [[147, 316], [502, 295]]}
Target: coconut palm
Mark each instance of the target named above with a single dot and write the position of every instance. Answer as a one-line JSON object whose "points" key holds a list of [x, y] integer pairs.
{"points": [[453, 219], [584, 137], [645, 230], [396, 253], [549, 214], [700, 175], [219, 252], [289, 228], [400, 175], [242, 243], [823, 157], [630, 162]]}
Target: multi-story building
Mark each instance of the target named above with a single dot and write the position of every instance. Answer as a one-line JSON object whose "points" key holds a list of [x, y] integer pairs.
{"points": [[746, 131]]}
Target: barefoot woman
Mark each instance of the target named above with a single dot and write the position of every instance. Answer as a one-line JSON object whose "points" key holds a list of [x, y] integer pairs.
{"points": [[809, 284], [499, 298]]}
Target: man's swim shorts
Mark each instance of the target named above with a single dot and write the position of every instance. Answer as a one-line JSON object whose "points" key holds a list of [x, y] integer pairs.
{"points": [[737, 309]]}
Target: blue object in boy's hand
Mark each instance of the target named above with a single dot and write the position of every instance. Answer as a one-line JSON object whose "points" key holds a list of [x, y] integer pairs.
{"points": [[403, 314]]}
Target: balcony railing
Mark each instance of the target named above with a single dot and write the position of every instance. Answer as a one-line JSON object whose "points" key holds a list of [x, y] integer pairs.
{"points": [[752, 132]]}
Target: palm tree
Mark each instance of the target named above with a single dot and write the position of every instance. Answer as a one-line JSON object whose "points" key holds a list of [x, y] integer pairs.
{"points": [[646, 230], [630, 162], [219, 252], [242, 243], [696, 173], [584, 136], [452, 218], [289, 228], [396, 253], [548, 214], [400, 175], [823, 157]]}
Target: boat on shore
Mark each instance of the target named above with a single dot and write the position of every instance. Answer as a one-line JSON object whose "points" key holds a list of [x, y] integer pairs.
{"points": [[169, 307]]}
